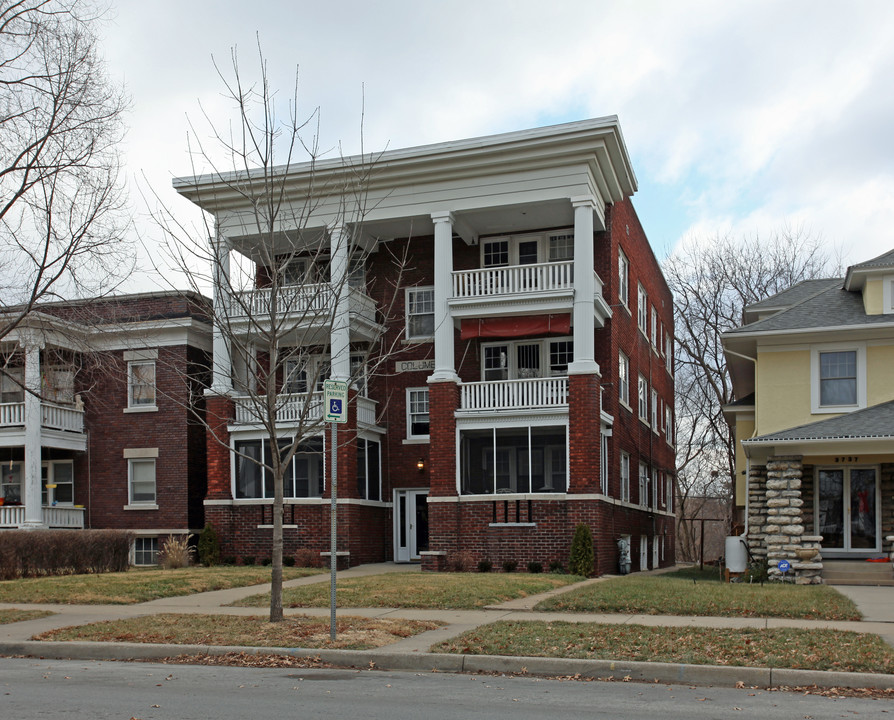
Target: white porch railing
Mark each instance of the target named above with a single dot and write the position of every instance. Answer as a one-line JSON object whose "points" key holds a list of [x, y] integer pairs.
{"points": [[13, 516], [514, 394], [288, 408], [366, 411], [53, 417], [488, 282], [59, 417], [307, 301]]}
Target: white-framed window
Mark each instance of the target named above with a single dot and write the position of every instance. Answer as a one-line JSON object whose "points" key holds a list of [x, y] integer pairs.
{"points": [[307, 373], [145, 551], [519, 459], [623, 278], [556, 246], [526, 359], [838, 377], [655, 492], [668, 352], [654, 411], [888, 294], [642, 309], [420, 305], [643, 399], [417, 413], [623, 379], [57, 482], [141, 384], [669, 478], [654, 329], [358, 372], [643, 485], [369, 469], [668, 424], [141, 481], [625, 477], [11, 482], [603, 463], [58, 385], [12, 385], [303, 478]]}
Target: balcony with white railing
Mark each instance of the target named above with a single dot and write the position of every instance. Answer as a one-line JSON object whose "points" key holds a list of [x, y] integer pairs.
{"points": [[61, 425], [13, 516], [310, 303], [514, 395], [514, 279], [289, 409]]}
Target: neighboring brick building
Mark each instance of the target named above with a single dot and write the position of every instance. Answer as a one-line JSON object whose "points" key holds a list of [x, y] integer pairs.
{"points": [[506, 331], [108, 438]]}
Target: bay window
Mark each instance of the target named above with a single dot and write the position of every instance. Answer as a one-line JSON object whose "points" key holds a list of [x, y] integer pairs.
{"points": [[303, 477]]}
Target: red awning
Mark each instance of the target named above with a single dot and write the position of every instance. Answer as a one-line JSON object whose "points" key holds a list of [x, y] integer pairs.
{"points": [[521, 326]]}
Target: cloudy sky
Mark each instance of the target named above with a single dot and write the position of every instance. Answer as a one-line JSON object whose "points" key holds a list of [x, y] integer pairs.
{"points": [[740, 117]]}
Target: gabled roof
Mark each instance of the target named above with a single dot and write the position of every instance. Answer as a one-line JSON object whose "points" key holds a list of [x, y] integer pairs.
{"points": [[876, 422], [857, 274], [829, 306], [884, 260], [788, 297]]}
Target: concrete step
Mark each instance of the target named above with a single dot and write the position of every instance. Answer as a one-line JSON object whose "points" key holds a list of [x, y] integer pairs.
{"points": [[858, 572]]}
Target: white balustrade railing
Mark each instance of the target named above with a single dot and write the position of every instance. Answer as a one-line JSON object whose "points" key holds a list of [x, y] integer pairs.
{"points": [[366, 411], [513, 279], [289, 408], [13, 516], [514, 394], [52, 416], [12, 414], [63, 517], [59, 417], [310, 301]]}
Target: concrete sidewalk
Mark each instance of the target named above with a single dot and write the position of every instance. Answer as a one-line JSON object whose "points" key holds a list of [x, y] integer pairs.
{"points": [[876, 604]]}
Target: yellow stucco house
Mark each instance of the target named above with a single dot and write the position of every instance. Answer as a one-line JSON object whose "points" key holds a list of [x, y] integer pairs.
{"points": [[813, 370]]}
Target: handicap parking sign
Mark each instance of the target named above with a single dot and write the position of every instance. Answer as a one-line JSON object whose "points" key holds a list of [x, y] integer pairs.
{"points": [[335, 399], [335, 407]]}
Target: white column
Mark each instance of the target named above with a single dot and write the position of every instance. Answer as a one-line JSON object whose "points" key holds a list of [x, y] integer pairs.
{"points": [[31, 479], [584, 289], [340, 332], [444, 357], [222, 370]]}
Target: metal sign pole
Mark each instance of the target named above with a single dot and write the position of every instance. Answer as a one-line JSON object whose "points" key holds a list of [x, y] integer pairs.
{"points": [[333, 527]]}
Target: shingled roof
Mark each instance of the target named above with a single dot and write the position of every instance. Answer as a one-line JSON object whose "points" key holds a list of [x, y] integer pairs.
{"points": [[876, 422]]}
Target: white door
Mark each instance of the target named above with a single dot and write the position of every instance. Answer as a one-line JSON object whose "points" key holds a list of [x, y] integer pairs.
{"points": [[410, 524], [847, 510]]}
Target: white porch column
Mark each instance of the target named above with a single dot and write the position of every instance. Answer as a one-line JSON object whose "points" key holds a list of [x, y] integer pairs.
{"points": [[584, 288], [340, 332], [31, 479], [444, 356], [222, 369]]}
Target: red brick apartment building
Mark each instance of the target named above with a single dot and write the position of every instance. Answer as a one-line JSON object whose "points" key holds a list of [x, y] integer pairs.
{"points": [[97, 417], [506, 331]]}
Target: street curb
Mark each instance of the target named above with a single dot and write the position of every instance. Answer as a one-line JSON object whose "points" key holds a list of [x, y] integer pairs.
{"points": [[665, 673]]}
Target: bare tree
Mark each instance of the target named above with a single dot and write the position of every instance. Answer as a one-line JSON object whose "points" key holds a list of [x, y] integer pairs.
{"points": [[291, 282], [61, 225], [712, 280]]}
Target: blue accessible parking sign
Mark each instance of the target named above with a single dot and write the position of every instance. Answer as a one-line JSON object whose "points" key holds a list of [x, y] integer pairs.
{"points": [[335, 399]]}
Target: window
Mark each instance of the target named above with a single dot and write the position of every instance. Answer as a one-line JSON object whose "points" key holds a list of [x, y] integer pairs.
{"points": [[58, 385], [838, 378], [643, 395], [357, 272], [642, 310], [303, 477], [513, 460], [527, 249], [623, 278], [561, 353], [369, 485], [417, 413], [644, 485], [654, 328], [526, 359], [12, 385], [624, 379], [668, 353], [603, 463], [141, 474], [11, 482], [670, 491], [358, 372], [295, 377], [141, 384], [625, 477], [145, 551], [668, 424], [495, 253], [561, 247], [57, 480], [420, 313], [654, 489], [654, 410]]}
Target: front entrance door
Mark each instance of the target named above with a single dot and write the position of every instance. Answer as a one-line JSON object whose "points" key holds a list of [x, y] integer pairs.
{"points": [[410, 524], [847, 509]]}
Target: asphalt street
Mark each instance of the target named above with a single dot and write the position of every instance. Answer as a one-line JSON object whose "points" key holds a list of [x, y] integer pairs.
{"points": [[31, 689]]}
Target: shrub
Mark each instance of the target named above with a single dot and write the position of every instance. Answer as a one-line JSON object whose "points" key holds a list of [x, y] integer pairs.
{"points": [[758, 571], [581, 559], [288, 561], [485, 565], [535, 567], [555, 566], [305, 557], [26, 553], [461, 561], [248, 560], [266, 561], [509, 566], [228, 560], [176, 552], [209, 546]]}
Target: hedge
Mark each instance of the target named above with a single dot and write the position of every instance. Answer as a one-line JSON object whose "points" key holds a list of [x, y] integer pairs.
{"points": [[34, 553]]}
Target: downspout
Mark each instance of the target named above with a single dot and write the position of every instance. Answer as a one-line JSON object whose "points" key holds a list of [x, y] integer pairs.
{"points": [[753, 434]]}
